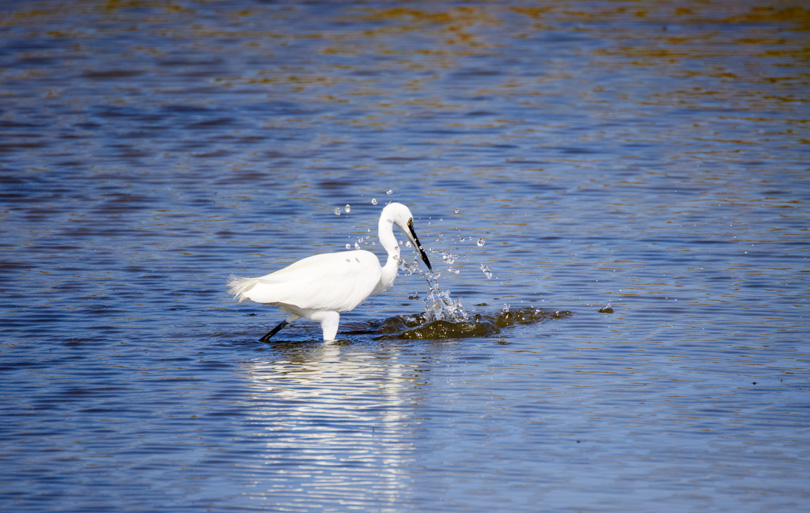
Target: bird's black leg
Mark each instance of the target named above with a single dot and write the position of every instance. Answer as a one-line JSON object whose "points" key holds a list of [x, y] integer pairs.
{"points": [[273, 331]]}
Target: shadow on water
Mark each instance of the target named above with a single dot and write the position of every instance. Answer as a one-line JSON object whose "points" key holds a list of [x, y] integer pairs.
{"points": [[418, 327], [422, 326]]}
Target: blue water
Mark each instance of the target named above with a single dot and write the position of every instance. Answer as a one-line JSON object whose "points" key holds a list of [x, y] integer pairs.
{"points": [[649, 161]]}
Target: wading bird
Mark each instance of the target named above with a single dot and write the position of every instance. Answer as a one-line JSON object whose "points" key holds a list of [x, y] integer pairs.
{"points": [[322, 286]]}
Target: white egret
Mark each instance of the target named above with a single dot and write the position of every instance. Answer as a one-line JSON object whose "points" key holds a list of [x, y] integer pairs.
{"points": [[322, 286]]}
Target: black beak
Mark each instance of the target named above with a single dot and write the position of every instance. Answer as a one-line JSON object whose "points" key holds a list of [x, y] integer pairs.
{"points": [[418, 246]]}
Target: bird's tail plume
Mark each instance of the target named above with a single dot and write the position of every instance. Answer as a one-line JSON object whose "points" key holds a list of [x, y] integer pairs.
{"points": [[239, 286]]}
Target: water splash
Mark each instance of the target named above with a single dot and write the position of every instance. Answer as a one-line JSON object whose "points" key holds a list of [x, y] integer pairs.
{"points": [[439, 305], [486, 271], [445, 317]]}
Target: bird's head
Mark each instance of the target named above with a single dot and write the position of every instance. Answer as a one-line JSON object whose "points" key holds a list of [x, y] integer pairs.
{"points": [[401, 216]]}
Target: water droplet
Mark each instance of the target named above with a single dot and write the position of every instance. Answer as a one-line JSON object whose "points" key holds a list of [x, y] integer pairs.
{"points": [[348, 208], [480, 242], [389, 191], [373, 201], [348, 246], [356, 246], [486, 271], [457, 211], [337, 211]]}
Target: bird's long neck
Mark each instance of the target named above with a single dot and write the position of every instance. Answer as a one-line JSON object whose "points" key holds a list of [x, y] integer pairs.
{"points": [[391, 246]]}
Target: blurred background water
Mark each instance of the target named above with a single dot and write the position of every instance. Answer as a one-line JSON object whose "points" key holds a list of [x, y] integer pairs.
{"points": [[645, 158]]}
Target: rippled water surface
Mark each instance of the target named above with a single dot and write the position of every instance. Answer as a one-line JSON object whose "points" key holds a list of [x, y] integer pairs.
{"points": [[628, 180]]}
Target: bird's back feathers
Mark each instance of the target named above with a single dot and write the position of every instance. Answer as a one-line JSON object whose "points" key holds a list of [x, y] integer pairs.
{"points": [[331, 282]]}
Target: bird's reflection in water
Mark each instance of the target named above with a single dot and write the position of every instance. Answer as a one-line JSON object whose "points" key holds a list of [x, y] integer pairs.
{"points": [[337, 420]]}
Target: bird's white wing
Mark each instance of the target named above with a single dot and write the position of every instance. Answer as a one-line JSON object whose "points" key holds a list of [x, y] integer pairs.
{"points": [[332, 281]]}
